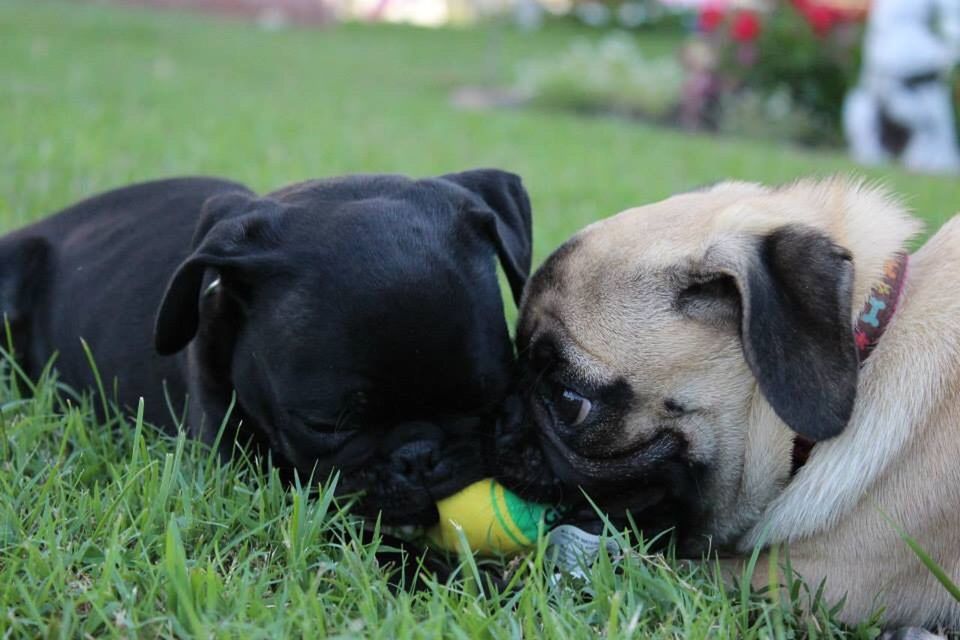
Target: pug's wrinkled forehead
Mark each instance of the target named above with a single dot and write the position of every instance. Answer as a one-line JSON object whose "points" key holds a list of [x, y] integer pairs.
{"points": [[590, 285]]}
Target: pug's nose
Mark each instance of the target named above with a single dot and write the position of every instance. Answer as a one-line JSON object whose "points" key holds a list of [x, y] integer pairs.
{"points": [[414, 460]]}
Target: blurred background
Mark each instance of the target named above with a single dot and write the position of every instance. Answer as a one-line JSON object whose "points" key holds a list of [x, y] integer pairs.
{"points": [[598, 104], [763, 68]]}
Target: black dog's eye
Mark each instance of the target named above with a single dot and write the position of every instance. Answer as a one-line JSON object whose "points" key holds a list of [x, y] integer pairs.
{"points": [[571, 407], [341, 425], [356, 402], [322, 425], [325, 427]]}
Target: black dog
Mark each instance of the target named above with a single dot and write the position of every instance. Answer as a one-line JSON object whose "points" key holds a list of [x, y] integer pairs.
{"points": [[357, 321]]}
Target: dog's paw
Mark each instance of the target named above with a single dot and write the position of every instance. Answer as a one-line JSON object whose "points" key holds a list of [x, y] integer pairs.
{"points": [[910, 633]]}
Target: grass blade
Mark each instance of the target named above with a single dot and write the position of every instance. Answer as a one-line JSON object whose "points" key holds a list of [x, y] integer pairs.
{"points": [[932, 565]]}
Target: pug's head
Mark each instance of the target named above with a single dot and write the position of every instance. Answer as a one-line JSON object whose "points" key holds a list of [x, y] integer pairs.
{"points": [[670, 355]]}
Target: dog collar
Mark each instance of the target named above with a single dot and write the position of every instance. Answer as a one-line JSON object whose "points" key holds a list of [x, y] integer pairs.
{"points": [[880, 306], [876, 314]]}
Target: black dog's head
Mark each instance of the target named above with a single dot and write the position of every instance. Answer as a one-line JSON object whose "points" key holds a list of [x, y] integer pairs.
{"points": [[360, 324]]}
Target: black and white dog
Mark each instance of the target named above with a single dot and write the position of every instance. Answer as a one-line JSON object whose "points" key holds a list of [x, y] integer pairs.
{"points": [[358, 321]]}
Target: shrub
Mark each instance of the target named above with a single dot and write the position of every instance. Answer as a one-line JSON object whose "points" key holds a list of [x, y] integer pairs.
{"points": [[611, 76], [798, 53], [816, 65], [772, 116]]}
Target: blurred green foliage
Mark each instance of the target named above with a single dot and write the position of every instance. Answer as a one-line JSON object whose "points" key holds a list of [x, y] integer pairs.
{"points": [[815, 70]]}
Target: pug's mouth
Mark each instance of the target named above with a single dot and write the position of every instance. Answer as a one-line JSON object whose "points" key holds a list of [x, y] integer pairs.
{"points": [[651, 486], [638, 463]]}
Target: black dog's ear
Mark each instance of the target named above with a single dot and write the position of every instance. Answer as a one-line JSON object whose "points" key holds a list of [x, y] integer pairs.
{"points": [[24, 270], [505, 216], [234, 236], [796, 326], [23, 265]]}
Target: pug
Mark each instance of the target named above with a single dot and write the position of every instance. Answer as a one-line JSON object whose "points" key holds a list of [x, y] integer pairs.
{"points": [[746, 365], [352, 324]]}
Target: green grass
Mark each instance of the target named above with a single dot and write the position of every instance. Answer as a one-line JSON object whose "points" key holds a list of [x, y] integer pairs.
{"points": [[110, 529]]}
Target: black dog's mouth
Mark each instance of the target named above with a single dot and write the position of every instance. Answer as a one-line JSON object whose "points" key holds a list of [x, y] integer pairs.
{"points": [[402, 503], [400, 508], [392, 473]]}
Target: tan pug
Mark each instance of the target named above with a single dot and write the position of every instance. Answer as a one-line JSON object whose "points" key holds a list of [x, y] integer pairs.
{"points": [[682, 358]]}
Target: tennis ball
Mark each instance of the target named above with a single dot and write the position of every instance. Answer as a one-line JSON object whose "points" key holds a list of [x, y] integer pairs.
{"points": [[493, 519]]}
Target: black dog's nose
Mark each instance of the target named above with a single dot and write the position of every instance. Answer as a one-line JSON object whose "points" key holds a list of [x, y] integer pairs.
{"points": [[415, 459]]}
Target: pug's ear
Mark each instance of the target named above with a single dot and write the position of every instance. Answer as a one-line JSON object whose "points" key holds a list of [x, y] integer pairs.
{"points": [[796, 296], [234, 236], [504, 215]]}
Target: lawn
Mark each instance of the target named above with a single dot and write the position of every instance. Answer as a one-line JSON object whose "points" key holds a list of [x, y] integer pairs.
{"points": [[111, 529]]}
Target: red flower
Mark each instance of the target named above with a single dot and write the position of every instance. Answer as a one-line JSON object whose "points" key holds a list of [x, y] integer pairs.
{"points": [[821, 18], [745, 27], [710, 18]]}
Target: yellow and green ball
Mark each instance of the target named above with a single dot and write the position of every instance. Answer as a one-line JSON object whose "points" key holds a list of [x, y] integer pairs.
{"points": [[492, 519]]}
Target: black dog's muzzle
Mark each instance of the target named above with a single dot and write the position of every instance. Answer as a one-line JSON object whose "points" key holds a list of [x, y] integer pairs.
{"points": [[414, 464], [434, 456]]}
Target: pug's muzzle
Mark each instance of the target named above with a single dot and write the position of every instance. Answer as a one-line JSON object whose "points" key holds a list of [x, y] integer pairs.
{"points": [[652, 487]]}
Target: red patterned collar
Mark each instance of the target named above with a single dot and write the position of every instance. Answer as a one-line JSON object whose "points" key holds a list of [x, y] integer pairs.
{"points": [[880, 306], [876, 314]]}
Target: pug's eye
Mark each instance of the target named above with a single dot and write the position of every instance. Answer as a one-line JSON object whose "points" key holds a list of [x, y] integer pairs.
{"points": [[571, 407]]}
